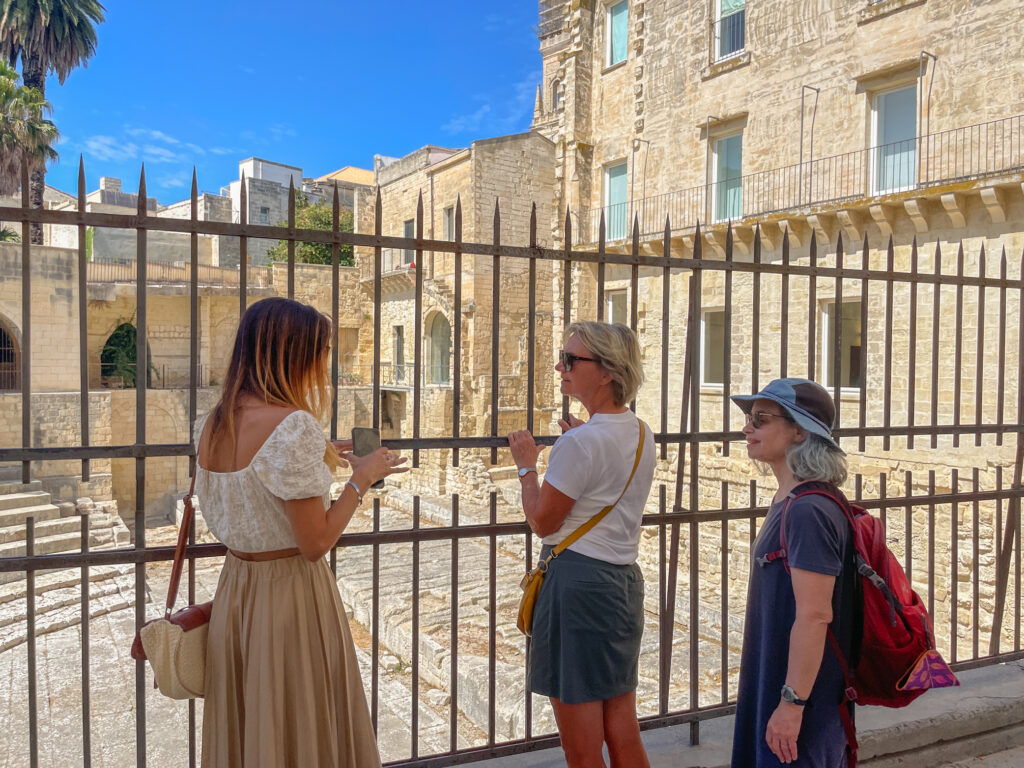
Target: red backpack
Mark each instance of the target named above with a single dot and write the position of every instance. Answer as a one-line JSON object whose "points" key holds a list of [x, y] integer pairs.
{"points": [[897, 660]]}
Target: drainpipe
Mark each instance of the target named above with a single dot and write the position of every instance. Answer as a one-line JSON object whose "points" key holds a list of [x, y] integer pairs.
{"points": [[814, 114], [924, 119]]}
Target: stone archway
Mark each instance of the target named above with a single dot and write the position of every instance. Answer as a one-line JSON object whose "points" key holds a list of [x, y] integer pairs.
{"points": [[439, 369], [10, 357], [118, 359]]}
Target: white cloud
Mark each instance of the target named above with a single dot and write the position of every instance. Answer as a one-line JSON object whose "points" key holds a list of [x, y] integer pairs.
{"points": [[222, 151], [108, 148], [467, 123], [154, 154], [152, 135], [195, 148], [174, 180]]}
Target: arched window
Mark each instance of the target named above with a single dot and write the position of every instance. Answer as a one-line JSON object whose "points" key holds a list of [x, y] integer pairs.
{"points": [[118, 358], [556, 95], [440, 350], [10, 359]]}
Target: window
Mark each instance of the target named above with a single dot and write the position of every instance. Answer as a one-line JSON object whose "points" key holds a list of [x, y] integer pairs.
{"points": [[729, 28], [850, 374], [556, 96], [264, 216], [616, 305], [440, 350], [399, 356], [727, 183], [893, 134], [409, 231], [615, 27], [348, 354], [448, 223], [10, 360], [712, 345], [615, 201]]}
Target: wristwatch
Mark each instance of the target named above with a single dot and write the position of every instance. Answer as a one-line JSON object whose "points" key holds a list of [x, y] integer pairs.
{"points": [[524, 471], [788, 694]]}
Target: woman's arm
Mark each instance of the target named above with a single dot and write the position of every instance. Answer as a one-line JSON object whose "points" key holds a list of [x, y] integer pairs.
{"points": [[545, 506], [315, 529], [813, 594]]}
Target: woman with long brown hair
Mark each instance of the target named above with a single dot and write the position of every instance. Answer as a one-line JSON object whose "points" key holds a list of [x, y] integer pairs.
{"points": [[282, 683]]}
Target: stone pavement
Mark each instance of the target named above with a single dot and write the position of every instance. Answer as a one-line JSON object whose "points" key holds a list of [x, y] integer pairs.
{"points": [[979, 722]]}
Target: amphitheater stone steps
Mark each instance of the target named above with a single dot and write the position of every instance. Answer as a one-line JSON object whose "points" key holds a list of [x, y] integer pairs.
{"points": [[57, 530]]}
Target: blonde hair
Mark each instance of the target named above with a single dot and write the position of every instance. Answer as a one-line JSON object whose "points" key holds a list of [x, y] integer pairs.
{"points": [[617, 351], [281, 356]]}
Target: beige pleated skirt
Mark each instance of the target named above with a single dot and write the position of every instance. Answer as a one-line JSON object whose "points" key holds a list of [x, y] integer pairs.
{"points": [[282, 683]]}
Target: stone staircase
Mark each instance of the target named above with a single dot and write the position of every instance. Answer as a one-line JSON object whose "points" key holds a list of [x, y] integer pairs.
{"points": [[58, 529]]}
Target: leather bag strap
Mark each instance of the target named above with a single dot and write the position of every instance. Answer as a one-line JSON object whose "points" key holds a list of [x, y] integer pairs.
{"points": [[184, 530], [575, 535]]}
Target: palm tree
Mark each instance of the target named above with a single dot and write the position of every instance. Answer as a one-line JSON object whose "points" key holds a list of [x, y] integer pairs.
{"points": [[48, 36], [25, 133]]}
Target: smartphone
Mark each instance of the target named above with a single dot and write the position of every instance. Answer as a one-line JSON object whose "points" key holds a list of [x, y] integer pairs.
{"points": [[366, 440]]}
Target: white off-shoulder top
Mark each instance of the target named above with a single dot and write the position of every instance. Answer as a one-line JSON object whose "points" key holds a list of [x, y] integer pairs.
{"points": [[245, 509]]}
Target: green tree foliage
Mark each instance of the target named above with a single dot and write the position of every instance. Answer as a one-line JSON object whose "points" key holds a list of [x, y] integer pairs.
{"points": [[25, 133], [318, 215], [47, 36]]}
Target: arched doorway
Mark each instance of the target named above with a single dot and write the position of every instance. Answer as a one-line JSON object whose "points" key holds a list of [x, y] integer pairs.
{"points": [[440, 350], [10, 359], [118, 358]]}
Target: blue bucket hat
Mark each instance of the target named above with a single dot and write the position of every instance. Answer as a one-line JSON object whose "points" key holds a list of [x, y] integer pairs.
{"points": [[808, 403]]}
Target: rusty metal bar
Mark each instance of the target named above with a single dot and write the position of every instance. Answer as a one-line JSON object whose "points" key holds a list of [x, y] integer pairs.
{"points": [[84, 613], [755, 317], [666, 308], [531, 328], [812, 311], [495, 320], [457, 331], [377, 224], [727, 353], [1001, 365], [566, 294], [693, 356], [492, 622], [415, 687], [865, 289], [417, 346], [335, 322], [243, 248], [911, 347], [936, 325], [375, 607], [83, 315], [784, 307], [954, 566], [141, 377], [890, 260], [453, 638], [979, 352], [26, 325], [30, 643], [958, 345], [837, 335], [291, 237], [601, 236], [975, 565], [908, 527]]}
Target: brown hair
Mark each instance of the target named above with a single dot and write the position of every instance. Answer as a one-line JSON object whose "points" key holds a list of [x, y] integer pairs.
{"points": [[280, 355]]}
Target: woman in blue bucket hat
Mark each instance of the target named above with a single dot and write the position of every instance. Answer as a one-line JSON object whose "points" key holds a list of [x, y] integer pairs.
{"points": [[790, 680]]}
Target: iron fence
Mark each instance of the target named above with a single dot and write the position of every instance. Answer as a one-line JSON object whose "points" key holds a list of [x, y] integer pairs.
{"points": [[960, 154], [931, 390]]}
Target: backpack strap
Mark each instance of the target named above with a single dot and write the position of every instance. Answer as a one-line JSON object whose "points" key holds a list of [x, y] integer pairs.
{"points": [[828, 490]]}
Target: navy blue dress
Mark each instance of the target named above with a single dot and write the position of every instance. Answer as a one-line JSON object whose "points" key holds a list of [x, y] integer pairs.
{"points": [[819, 539]]}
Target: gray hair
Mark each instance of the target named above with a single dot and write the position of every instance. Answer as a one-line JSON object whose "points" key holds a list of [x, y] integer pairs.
{"points": [[618, 352], [817, 459]]}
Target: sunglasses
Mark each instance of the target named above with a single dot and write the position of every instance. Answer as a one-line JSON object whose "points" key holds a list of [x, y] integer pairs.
{"points": [[568, 360], [759, 418]]}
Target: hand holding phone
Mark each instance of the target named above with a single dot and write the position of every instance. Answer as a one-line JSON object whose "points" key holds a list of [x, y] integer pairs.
{"points": [[366, 440]]}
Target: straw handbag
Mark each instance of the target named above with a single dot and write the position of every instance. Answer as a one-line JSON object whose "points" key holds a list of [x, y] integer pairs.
{"points": [[176, 643], [533, 580]]}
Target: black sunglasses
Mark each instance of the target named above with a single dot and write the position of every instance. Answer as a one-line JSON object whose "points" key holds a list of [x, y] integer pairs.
{"points": [[568, 360], [758, 418]]}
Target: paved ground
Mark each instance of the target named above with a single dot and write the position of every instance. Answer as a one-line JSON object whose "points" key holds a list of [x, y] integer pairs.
{"points": [[1009, 758]]}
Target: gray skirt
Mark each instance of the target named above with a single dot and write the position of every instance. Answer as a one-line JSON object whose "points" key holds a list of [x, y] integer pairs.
{"points": [[587, 626]]}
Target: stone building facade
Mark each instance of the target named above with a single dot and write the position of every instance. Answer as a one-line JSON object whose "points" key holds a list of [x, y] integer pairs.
{"points": [[511, 172], [865, 123]]}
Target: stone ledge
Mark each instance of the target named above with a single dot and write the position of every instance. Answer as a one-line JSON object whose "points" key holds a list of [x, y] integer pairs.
{"points": [[885, 8], [985, 714], [727, 65]]}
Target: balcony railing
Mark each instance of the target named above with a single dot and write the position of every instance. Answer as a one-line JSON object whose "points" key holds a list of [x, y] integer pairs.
{"points": [[961, 154], [177, 274]]}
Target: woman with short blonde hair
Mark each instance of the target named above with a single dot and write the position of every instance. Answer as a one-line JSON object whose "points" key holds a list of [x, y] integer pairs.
{"points": [[589, 616]]}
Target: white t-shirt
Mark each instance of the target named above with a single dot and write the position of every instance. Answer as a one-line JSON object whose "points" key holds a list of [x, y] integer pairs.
{"points": [[591, 464]]}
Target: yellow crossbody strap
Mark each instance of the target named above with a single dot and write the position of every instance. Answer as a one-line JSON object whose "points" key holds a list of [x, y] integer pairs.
{"points": [[572, 537]]}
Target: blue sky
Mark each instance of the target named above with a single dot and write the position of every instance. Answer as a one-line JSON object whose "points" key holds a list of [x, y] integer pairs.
{"points": [[319, 85]]}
